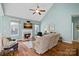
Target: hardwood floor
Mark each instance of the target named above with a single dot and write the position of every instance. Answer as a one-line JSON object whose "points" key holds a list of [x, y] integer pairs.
{"points": [[24, 51], [62, 49]]}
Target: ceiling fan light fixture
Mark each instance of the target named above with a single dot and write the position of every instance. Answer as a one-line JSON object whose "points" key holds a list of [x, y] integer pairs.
{"points": [[37, 11]]}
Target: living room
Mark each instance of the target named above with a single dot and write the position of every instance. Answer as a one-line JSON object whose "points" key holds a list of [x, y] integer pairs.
{"points": [[24, 22]]}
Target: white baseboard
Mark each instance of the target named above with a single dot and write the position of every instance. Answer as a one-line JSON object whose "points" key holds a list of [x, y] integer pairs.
{"points": [[76, 40], [68, 42]]}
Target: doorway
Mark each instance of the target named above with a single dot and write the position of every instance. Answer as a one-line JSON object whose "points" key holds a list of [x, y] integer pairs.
{"points": [[75, 21]]}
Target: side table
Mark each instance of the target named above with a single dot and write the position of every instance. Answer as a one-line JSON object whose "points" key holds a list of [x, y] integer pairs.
{"points": [[60, 39]]}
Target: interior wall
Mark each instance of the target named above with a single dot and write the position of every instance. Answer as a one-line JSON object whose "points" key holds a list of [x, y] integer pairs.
{"points": [[5, 26], [60, 15], [1, 10], [1, 14], [0, 24]]}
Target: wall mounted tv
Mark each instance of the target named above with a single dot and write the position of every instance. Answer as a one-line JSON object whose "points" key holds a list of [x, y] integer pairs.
{"points": [[28, 25]]}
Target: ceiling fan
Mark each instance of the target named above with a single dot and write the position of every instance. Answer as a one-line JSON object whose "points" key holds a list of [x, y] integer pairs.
{"points": [[37, 10]]}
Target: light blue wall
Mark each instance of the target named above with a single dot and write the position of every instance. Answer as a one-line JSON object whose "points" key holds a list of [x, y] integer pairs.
{"points": [[1, 10], [0, 24], [60, 15], [33, 23], [1, 14], [5, 26]]}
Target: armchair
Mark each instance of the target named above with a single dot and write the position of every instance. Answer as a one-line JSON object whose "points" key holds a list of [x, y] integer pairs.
{"points": [[9, 45]]}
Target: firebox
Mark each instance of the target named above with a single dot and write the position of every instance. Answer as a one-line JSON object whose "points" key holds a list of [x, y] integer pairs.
{"points": [[27, 35]]}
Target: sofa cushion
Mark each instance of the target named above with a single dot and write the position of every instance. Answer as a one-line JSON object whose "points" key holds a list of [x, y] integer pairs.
{"points": [[5, 42], [11, 43]]}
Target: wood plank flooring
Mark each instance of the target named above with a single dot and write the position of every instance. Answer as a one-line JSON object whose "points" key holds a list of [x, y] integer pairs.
{"points": [[62, 49]]}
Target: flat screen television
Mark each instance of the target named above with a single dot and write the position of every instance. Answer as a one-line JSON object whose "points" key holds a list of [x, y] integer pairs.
{"points": [[27, 25]]}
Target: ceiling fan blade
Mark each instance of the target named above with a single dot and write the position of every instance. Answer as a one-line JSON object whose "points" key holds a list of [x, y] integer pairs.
{"points": [[39, 13], [32, 9], [42, 10], [34, 13]]}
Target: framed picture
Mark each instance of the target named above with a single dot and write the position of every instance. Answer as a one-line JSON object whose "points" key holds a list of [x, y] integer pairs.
{"points": [[14, 27]]}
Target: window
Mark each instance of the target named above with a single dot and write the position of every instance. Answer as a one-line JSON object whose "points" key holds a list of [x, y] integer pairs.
{"points": [[14, 28], [36, 29]]}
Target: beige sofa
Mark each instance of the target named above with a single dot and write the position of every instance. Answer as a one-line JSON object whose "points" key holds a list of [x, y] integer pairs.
{"points": [[45, 42]]}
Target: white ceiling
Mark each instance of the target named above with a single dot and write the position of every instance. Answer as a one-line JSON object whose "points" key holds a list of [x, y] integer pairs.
{"points": [[21, 10]]}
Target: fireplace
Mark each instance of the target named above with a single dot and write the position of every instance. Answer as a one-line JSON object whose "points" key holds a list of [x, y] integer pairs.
{"points": [[27, 35]]}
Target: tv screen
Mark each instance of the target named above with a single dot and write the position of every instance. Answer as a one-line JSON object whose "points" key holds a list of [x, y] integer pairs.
{"points": [[28, 25]]}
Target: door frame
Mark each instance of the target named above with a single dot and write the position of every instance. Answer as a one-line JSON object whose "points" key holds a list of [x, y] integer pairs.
{"points": [[72, 27]]}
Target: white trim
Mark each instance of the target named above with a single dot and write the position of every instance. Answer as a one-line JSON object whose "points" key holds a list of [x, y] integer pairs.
{"points": [[72, 30], [75, 14], [76, 40], [68, 42]]}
